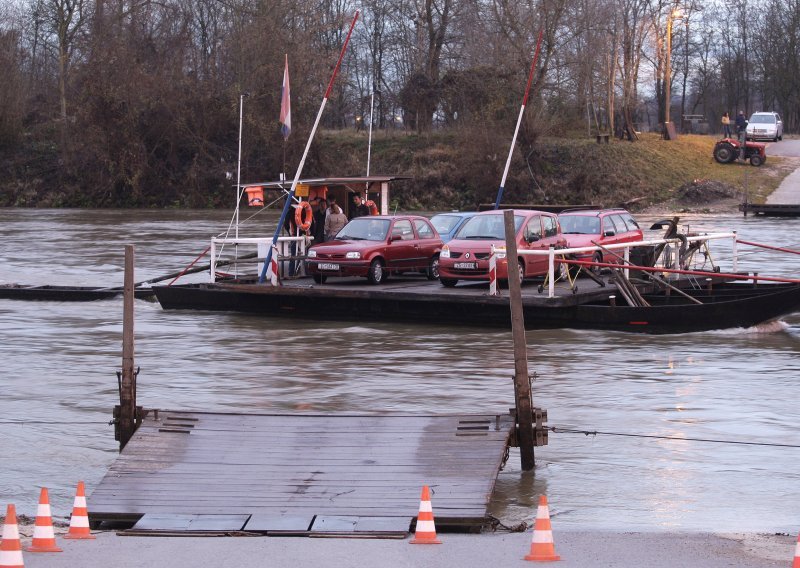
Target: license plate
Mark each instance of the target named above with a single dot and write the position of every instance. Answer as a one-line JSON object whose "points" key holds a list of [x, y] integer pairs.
{"points": [[466, 265], [327, 266]]}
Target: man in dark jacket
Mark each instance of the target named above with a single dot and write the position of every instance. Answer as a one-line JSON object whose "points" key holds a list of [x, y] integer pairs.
{"points": [[741, 133], [741, 124], [357, 207]]}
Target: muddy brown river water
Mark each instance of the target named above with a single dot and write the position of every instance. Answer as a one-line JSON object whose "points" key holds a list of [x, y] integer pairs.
{"points": [[58, 363]]}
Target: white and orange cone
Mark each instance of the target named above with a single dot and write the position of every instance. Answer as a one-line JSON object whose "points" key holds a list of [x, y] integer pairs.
{"points": [[44, 539], [10, 546], [79, 521], [542, 548], [425, 532], [796, 563]]}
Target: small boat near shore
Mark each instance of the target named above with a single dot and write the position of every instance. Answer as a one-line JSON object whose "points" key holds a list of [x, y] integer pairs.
{"points": [[67, 293]]}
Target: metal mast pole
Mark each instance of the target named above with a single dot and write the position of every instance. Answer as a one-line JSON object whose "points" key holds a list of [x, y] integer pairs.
{"points": [[289, 199], [239, 164]]}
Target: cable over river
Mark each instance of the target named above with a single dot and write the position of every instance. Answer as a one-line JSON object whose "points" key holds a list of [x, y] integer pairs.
{"points": [[58, 363]]}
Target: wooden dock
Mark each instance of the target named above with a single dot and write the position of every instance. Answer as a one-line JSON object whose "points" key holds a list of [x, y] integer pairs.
{"points": [[314, 475]]}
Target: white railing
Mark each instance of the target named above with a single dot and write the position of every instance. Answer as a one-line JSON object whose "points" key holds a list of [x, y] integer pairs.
{"points": [[285, 246], [552, 252]]}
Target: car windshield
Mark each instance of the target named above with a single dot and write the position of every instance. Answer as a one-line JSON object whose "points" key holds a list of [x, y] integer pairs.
{"points": [[365, 229], [444, 223], [763, 118], [487, 227], [579, 225]]}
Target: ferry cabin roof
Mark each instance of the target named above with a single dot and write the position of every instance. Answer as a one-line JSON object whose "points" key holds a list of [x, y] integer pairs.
{"points": [[375, 187]]}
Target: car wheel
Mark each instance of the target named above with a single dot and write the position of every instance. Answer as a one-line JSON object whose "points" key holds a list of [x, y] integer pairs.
{"points": [[448, 282], [376, 274], [521, 265], [756, 160], [724, 153], [433, 268], [320, 278], [596, 269]]}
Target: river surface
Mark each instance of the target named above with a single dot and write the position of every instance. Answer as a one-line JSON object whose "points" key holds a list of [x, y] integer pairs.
{"points": [[58, 364]]}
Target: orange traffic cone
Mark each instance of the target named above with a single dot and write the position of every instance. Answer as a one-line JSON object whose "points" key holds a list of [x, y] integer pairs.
{"points": [[542, 549], [425, 532], [796, 563], [44, 539], [79, 521], [10, 546]]}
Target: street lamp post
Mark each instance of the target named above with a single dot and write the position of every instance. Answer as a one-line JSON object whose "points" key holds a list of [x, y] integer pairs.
{"points": [[674, 15]]}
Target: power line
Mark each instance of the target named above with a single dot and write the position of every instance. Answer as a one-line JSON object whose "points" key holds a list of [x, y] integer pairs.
{"points": [[561, 430]]}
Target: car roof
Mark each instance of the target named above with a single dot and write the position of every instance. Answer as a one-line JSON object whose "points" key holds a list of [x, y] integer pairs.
{"points": [[593, 212], [390, 217], [456, 213], [523, 212]]}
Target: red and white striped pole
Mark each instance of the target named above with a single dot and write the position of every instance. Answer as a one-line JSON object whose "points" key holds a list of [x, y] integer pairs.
{"points": [[493, 273], [289, 199], [519, 121]]}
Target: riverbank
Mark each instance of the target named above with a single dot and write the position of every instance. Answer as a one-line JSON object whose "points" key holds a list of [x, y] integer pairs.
{"points": [[577, 549], [455, 168]]}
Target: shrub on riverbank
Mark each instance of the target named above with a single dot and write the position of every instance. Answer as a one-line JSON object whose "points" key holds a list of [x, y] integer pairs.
{"points": [[448, 169]]}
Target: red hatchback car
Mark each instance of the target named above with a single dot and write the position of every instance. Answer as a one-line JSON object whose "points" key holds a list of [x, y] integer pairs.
{"points": [[603, 226], [376, 246], [466, 257]]}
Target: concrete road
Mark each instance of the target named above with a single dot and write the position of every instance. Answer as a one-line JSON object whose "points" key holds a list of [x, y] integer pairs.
{"points": [[788, 192], [577, 550]]}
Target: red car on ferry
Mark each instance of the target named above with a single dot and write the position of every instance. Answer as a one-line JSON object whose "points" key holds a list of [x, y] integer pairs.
{"points": [[584, 227], [376, 246], [466, 257]]}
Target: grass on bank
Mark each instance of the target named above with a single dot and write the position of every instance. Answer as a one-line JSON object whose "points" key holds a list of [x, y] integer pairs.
{"points": [[463, 169]]}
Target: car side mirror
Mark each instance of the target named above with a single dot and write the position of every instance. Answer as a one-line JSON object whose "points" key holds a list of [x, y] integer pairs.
{"points": [[532, 238], [395, 238], [609, 234]]}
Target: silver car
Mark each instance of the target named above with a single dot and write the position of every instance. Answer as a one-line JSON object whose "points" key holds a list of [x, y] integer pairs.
{"points": [[765, 126]]}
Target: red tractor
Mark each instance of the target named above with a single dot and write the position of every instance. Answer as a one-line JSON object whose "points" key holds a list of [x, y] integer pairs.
{"points": [[728, 150]]}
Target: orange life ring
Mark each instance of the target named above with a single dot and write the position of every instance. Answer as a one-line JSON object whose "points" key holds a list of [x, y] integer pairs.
{"points": [[303, 221], [373, 209]]}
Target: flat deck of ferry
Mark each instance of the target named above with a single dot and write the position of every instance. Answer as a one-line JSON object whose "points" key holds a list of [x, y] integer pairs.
{"points": [[302, 474]]}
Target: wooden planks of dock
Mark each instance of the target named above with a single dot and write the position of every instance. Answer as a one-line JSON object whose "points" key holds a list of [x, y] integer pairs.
{"points": [[302, 474]]}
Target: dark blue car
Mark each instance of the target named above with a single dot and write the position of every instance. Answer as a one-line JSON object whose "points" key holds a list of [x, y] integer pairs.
{"points": [[448, 224]]}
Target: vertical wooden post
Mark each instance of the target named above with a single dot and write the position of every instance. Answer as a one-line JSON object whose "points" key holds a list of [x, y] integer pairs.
{"points": [[127, 389], [522, 383]]}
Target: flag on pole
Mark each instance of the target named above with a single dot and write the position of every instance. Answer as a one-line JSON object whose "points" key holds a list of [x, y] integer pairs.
{"points": [[272, 269], [286, 104]]}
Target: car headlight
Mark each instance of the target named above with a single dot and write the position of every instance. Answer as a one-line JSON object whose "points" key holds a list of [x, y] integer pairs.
{"points": [[500, 255], [445, 252], [312, 254], [354, 254]]}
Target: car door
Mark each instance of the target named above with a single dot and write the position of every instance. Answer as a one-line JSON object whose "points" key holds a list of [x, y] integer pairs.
{"points": [[533, 239], [426, 243], [552, 236], [399, 251]]}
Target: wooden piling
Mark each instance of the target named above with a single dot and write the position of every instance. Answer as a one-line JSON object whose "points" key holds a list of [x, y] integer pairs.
{"points": [[522, 382], [126, 416]]}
